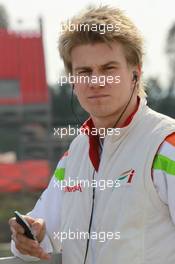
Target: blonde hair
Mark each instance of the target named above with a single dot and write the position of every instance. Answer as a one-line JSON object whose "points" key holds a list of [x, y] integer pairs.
{"points": [[102, 16]]}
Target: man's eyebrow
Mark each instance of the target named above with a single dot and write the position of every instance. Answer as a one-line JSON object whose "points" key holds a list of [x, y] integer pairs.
{"points": [[82, 68], [102, 66], [111, 62]]}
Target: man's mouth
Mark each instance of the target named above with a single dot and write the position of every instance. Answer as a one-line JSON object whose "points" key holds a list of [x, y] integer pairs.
{"points": [[97, 96]]}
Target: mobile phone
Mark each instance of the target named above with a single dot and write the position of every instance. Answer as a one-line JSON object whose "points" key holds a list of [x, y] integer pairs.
{"points": [[27, 229]]}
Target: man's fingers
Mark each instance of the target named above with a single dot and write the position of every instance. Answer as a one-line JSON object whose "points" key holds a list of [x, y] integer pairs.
{"points": [[30, 247], [38, 222], [13, 230], [37, 226], [39, 229], [25, 240], [25, 245], [20, 247], [15, 227], [29, 219]]}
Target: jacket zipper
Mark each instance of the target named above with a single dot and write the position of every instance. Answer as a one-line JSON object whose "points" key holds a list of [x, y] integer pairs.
{"points": [[92, 210], [90, 222]]}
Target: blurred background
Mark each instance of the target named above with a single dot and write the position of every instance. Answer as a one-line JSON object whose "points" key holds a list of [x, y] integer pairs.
{"points": [[33, 103]]}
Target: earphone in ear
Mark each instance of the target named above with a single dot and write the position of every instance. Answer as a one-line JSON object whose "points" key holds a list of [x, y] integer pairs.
{"points": [[135, 76]]}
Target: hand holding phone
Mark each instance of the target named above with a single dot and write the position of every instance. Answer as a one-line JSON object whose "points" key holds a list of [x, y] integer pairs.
{"points": [[25, 239], [27, 229]]}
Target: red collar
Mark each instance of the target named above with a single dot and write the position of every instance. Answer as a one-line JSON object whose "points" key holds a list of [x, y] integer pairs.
{"points": [[94, 140], [130, 117]]}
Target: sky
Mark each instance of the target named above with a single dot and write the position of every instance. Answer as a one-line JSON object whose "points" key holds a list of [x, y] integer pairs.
{"points": [[153, 18]]}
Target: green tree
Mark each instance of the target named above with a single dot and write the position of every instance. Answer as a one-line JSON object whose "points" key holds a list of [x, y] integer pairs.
{"points": [[154, 92], [170, 51], [4, 19]]}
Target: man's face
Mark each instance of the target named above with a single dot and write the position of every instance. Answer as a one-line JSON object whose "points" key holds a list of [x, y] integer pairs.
{"points": [[101, 99]]}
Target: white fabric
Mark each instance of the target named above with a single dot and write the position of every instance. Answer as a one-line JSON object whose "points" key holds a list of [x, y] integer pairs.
{"points": [[134, 209]]}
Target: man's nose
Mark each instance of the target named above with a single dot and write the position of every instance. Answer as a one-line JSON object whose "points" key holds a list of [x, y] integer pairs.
{"points": [[96, 79]]}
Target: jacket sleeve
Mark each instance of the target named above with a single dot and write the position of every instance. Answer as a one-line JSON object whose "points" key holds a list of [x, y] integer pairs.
{"points": [[48, 207], [164, 173]]}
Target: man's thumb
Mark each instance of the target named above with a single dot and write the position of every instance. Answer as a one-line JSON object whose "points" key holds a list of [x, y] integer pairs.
{"points": [[38, 227]]}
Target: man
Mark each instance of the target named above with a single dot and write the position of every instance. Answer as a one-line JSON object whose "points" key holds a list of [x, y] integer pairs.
{"points": [[135, 211]]}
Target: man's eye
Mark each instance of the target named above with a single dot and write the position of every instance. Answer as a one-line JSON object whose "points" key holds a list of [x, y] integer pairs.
{"points": [[83, 72], [110, 68]]}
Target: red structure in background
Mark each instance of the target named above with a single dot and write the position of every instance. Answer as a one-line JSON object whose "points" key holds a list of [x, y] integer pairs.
{"points": [[25, 175], [22, 59]]}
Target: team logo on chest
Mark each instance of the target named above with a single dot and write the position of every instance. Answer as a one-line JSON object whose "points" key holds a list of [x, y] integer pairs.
{"points": [[126, 176]]}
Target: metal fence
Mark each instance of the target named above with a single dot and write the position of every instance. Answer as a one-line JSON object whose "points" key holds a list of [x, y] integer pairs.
{"points": [[56, 259]]}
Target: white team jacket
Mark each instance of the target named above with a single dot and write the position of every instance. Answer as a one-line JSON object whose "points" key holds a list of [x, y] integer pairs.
{"points": [[127, 223]]}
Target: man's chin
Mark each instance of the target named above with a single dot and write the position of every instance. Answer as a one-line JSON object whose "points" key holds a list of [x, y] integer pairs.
{"points": [[100, 114]]}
